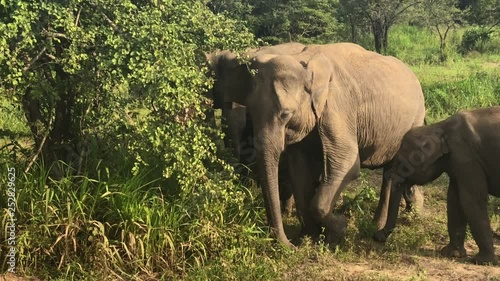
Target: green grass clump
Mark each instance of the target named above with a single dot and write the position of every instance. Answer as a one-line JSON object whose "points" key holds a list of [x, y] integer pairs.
{"points": [[402, 44], [110, 227], [449, 95]]}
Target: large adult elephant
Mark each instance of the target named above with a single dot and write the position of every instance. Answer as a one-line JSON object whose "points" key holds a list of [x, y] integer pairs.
{"points": [[233, 80], [355, 104]]}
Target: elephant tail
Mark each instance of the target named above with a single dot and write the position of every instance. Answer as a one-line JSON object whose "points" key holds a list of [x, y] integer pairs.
{"points": [[425, 122]]}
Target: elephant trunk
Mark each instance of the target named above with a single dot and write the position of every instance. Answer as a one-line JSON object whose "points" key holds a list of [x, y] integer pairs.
{"points": [[394, 201], [396, 189], [268, 160]]}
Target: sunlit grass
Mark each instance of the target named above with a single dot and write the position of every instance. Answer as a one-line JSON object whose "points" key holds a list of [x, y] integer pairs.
{"points": [[80, 228]]}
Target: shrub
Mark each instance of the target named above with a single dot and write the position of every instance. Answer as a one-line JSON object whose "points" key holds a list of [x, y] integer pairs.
{"points": [[474, 38], [128, 183]]}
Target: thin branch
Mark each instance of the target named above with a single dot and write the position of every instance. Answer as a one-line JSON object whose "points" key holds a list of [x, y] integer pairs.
{"points": [[113, 25], [78, 16], [39, 150], [446, 32], [393, 18], [439, 32], [493, 26], [368, 15], [54, 34], [27, 67]]}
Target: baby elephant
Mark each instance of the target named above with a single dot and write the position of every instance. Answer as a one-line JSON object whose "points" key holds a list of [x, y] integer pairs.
{"points": [[465, 146]]}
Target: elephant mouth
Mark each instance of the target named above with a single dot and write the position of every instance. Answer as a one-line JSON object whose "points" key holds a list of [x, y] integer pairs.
{"points": [[291, 138]]}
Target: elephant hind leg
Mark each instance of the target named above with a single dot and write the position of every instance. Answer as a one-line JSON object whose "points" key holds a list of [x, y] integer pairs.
{"points": [[414, 198], [473, 200]]}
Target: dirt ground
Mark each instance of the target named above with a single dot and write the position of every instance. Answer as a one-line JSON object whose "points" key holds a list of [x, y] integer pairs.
{"points": [[404, 267], [424, 263]]}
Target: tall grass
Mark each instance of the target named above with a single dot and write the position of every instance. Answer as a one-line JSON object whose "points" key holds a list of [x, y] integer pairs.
{"points": [[443, 98], [111, 228], [466, 84], [413, 45], [459, 83]]}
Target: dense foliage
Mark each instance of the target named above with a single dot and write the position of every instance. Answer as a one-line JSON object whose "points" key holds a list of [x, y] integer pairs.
{"points": [[354, 20], [112, 94], [308, 21]]}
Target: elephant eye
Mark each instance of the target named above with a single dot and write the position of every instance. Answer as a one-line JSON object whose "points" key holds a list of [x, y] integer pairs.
{"points": [[285, 115]]}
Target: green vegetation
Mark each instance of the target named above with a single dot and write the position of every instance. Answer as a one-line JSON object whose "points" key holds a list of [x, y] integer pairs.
{"points": [[119, 173]]}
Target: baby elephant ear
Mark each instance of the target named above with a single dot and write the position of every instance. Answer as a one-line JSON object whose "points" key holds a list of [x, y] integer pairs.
{"points": [[320, 72], [444, 146], [432, 153]]}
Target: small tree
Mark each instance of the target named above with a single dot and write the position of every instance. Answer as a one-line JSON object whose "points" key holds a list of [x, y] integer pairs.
{"points": [[308, 21], [443, 16], [351, 15], [381, 14], [129, 74]]}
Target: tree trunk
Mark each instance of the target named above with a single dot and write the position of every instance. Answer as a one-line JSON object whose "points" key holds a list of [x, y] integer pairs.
{"points": [[31, 108], [378, 35], [380, 29], [60, 140], [354, 38], [385, 43]]}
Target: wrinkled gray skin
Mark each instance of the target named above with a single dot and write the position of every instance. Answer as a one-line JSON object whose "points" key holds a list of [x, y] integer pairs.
{"points": [[465, 146], [234, 80], [355, 104]]}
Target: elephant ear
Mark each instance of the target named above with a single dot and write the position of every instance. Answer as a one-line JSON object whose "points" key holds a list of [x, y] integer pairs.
{"points": [[211, 59], [431, 153], [261, 59], [320, 72]]}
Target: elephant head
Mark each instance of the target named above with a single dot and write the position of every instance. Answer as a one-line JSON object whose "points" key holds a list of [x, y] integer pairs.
{"points": [[421, 158], [233, 85], [233, 79]]}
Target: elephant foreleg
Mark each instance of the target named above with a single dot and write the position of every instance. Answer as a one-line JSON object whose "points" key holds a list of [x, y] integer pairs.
{"points": [[473, 195], [303, 183], [456, 223], [285, 180], [327, 195]]}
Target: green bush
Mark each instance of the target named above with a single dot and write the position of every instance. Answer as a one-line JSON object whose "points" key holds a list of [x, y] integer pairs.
{"points": [[474, 39], [82, 228], [128, 182]]}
